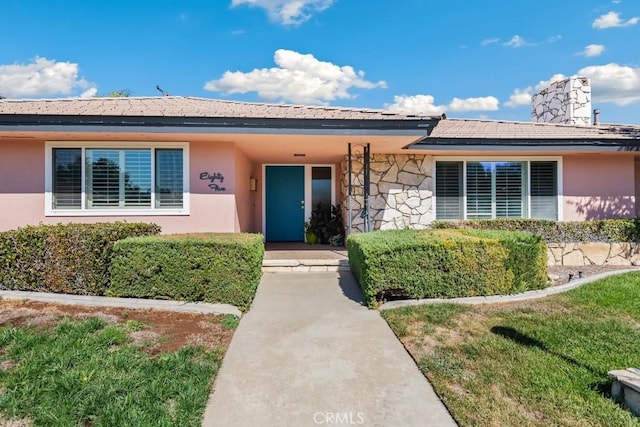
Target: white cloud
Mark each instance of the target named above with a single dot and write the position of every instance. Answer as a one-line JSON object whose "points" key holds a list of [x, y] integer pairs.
{"points": [[592, 50], [89, 93], [612, 20], [416, 104], [486, 103], [297, 78], [519, 98], [613, 83], [546, 83], [425, 105], [41, 77], [610, 83], [487, 42], [522, 97], [554, 38], [516, 41], [288, 12]]}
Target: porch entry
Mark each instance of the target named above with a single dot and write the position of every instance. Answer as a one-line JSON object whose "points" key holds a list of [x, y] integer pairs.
{"points": [[291, 193]]}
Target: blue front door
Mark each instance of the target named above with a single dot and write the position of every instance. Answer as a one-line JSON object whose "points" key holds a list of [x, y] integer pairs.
{"points": [[284, 197]]}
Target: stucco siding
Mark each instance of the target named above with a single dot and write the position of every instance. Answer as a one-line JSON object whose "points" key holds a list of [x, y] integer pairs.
{"points": [[244, 197], [597, 187], [22, 184]]}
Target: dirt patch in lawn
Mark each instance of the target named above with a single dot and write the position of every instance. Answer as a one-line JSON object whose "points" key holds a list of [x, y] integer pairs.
{"points": [[166, 331]]}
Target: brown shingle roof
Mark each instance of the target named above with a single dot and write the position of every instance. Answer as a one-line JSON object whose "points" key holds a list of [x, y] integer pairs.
{"points": [[176, 106], [495, 129]]}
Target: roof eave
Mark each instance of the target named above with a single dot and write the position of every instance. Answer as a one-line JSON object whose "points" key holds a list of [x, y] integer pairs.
{"points": [[526, 144], [9, 122]]}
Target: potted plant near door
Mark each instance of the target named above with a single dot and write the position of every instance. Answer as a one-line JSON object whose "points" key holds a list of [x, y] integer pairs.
{"points": [[311, 230]]}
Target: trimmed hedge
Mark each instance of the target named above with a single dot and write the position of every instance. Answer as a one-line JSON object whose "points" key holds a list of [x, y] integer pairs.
{"points": [[604, 230], [67, 258], [446, 263], [212, 267]]}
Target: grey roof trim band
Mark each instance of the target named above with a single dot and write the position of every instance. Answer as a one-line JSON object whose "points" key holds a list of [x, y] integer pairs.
{"points": [[426, 125], [215, 130]]}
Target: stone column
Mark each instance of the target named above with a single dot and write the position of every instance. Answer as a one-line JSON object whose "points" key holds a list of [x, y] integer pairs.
{"points": [[401, 191]]}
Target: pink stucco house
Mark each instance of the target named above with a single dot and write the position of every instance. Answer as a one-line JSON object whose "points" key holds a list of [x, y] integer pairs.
{"points": [[194, 165]]}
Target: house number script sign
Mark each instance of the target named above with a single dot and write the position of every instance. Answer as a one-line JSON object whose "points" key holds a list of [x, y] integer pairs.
{"points": [[212, 178]]}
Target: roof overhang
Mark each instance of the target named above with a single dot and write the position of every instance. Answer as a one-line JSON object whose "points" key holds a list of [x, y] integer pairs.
{"points": [[537, 144], [161, 124], [262, 140]]}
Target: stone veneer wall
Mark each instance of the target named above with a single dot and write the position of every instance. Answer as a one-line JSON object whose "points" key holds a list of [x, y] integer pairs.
{"points": [[577, 254], [567, 101], [401, 191]]}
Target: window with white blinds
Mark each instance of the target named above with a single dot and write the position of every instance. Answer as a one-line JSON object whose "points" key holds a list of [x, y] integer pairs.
{"points": [[510, 189], [67, 178], [479, 190], [449, 190], [169, 191], [496, 189], [544, 190], [134, 179]]}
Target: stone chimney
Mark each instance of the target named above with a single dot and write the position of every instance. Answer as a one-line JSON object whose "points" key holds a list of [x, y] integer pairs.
{"points": [[566, 101]]}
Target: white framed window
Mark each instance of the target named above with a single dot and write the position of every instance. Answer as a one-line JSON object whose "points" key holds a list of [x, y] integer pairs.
{"points": [[132, 178], [488, 188]]}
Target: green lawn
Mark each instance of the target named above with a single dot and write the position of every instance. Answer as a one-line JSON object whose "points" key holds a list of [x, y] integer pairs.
{"points": [[536, 363], [89, 373]]}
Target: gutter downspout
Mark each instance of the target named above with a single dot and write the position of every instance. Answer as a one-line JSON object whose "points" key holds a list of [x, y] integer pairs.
{"points": [[350, 191]]}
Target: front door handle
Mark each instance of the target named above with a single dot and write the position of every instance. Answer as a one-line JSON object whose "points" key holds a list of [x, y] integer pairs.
{"points": [[302, 204]]}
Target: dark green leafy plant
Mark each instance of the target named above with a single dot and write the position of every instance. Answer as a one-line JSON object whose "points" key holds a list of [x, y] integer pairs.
{"points": [[69, 258], [604, 230], [212, 267], [446, 263], [326, 222]]}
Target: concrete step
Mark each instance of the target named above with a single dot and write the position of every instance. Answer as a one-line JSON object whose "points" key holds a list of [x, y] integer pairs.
{"points": [[626, 387], [304, 265]]}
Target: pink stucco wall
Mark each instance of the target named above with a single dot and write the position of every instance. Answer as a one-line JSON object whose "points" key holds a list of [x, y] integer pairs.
{"points": [[22, 190], [245, 199], [21, 183], [256, 172], [599, 186]]}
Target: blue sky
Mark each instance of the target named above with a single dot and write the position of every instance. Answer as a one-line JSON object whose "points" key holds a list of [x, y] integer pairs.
{"points": [[467, 58]]}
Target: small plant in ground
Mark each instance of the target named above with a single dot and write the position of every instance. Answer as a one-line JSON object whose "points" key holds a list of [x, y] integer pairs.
{"points": [[133, 325], [230, 321]]}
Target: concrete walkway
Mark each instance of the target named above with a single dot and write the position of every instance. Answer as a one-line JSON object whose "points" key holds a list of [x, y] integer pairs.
{"points": [[308, 353]]}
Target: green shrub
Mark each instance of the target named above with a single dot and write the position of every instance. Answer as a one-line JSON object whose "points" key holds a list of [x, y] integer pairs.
{"points": [[603, 230], [212, 267], [446, 263], [68, 258]]}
